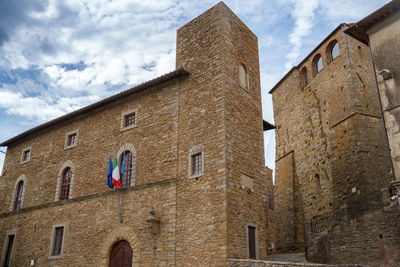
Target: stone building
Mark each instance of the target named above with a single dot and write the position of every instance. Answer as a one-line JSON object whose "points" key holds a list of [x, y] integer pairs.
{"points": [[381, 32], [332, 157], [194, 186]]}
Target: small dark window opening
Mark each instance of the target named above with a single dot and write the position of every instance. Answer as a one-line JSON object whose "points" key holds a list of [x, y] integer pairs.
{"points": [[196, 163], [10, 244], [127, 177], [129, 119], [304, 80], [72, 139], [65, 185], [318, 180], [26, 155], [251, 231], [19, 196], [57, 242]]}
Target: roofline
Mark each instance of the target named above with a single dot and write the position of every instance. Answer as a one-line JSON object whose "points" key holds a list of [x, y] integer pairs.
{"points": [[366, 22], [312, 52], [179, 72]]}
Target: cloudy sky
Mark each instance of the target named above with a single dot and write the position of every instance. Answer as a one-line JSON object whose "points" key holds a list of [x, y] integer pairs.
{"points": [[57, 56]]}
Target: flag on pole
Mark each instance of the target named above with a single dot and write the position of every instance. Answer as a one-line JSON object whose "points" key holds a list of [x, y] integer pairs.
{"points": [[109, 174], [116, 179], [123, 166]]}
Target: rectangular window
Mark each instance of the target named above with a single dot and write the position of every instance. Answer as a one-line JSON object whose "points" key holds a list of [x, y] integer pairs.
{"points": [[57, 241], [251, 238], [196, 164], [71, 139], [26, 154], [10, 244], [129, 120]]}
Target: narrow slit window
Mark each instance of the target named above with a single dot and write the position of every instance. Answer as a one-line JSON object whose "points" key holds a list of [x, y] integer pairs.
{"points": [[196, 164], [251, 237], [19, 196], [65, 184], [57, 241], [10, 244]]}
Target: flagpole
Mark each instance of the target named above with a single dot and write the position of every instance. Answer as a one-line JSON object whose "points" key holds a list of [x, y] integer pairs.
{"points": [[119, 203]]}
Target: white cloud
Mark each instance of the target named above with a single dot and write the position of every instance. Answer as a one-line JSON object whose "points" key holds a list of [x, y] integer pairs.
{"points": [[303, 15]]}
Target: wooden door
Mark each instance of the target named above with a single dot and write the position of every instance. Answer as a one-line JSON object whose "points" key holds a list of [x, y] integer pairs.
{"points": [[121, 254]]}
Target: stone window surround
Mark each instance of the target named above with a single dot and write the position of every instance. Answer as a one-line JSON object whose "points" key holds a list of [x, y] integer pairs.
{"points": [[120, 153], [247, 87], [329, 50], [67, 164], [8, 233], [66, 146], [193, 151], [315, 60], [20, 178], [22, 155], [62, 242], [123, 114], [247, 238]]}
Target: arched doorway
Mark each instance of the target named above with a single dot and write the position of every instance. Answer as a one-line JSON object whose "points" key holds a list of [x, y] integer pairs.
{"points": [[121, 254]]}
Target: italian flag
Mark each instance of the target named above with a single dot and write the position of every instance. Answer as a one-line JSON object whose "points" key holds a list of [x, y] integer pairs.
{"points": [[116, 179]]}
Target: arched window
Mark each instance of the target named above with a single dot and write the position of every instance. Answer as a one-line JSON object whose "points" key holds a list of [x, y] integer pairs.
{"points": [[127, 177], [303, 74], [317, 64], [243, 76], [333, 50], [65, 184], [19, 194]]}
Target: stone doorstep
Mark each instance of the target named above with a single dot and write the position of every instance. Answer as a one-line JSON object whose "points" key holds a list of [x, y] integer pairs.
{"points": [[260, 263]]}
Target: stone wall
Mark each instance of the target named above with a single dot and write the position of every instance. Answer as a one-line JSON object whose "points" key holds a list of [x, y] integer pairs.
{"points": [[203, 219], [331, 152], [254, 263]]}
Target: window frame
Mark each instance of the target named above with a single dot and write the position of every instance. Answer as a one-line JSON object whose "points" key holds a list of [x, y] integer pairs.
{"points": [[29, 150], [255, 240], [5, 247], [245, 86], [123, 116], [53, 239], [315, 61], [67, 138], [199, 149], [330, 50], [21, 178], [66, 172], [131, 169], [67, 164]]}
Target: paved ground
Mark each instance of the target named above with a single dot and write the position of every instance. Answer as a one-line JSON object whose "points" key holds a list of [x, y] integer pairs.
{"points": [[294, 257]]}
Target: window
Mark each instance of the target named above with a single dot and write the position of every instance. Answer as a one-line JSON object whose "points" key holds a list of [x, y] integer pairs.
{"points": [[57, 241], [19, 195], [252, 242], [317, 64], [196, 164], [126, 178], [128, 120], [10, 245], [333, 50], [65, 184], [303, 74], [196, 161], [71, 140], [26, 155], [243, 76]]}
